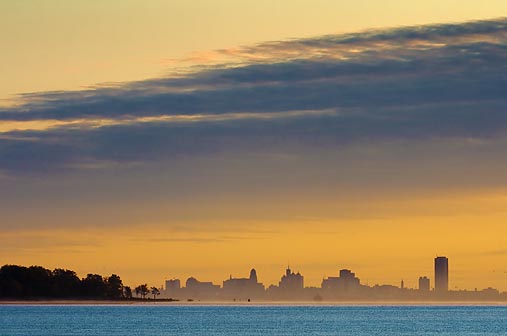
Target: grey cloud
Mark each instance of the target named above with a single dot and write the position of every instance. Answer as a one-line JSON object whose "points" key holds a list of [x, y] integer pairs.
{"points": [[274, 85], [61, 149], [448, 88]]}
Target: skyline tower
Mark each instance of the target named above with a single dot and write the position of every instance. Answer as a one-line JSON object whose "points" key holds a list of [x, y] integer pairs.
{"points": [[441, 275]]}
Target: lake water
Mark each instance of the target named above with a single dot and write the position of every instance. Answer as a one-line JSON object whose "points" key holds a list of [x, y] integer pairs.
{"points": [[141, 320]]}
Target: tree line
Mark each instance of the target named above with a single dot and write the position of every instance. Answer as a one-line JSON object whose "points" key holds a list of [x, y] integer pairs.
{"points": [[143, 291], [20, 282]]}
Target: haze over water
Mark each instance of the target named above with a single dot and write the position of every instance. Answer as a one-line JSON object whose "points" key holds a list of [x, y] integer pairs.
{"points": [[158, 320]]}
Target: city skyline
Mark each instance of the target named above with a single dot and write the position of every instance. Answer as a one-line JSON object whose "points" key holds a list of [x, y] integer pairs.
{"points": [[345, 286], [169, 138], [438, 282]]}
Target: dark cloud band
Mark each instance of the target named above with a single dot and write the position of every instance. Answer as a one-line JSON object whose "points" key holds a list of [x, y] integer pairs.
{"points": [[412, 83]]}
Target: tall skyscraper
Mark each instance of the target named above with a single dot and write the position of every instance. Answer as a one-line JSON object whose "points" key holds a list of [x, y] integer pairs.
{"points": [[441, 275]]}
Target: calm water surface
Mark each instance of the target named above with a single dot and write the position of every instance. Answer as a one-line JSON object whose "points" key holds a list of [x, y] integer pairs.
{"points": [[251, 320]]}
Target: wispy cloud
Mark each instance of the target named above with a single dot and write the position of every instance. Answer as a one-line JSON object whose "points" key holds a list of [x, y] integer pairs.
{"points": [[31, 242], [198, 240]]}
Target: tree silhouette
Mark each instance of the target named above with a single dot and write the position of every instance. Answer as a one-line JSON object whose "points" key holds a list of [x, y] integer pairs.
{"points": [[114, 287], [38, 282], [65, 283], [94, 286], [155, 292], [127, 292], [138, 290], [144, 290]]}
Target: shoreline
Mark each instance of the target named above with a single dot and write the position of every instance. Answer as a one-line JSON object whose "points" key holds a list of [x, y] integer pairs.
{"points": [[246, 304]]}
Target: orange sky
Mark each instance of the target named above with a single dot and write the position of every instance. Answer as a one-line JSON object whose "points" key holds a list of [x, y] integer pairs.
{"points": [[382, 240]]}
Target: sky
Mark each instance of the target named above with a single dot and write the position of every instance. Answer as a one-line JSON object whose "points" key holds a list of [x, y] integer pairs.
{"points": [[163, 139]]}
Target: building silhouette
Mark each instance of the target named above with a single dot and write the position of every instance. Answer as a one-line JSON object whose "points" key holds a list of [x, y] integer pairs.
{"points": [[290, 287], [441, 275], [291, 281], [243, 288], [172, 288], [424, 284], [201, 289], [346, 282]]}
